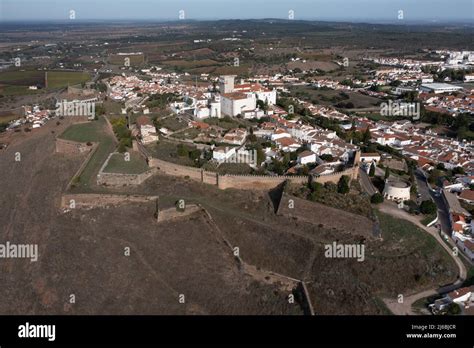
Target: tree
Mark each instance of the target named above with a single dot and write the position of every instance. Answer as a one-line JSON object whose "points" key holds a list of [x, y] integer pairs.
{"points": [[252, 138], [428, 207], [194, 154], [182, 150], [372, 169], [316, 186], [262, 105], [454, 309], [316, 191], [343, 185], [387, 173], [458, 170], [327, 157], [121, 147], [303, 170], [395, 83], [376, 198], [366, 136], [278, 166], [434, 176]]}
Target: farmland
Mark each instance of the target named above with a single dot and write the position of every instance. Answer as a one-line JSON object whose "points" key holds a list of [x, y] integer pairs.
{"points": [[17, 82], [133, 59], [59, 79]]}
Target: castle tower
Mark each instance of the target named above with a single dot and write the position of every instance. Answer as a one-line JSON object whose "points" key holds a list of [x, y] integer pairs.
{"points": [[357, 158], [355, 168], [226, 83]]}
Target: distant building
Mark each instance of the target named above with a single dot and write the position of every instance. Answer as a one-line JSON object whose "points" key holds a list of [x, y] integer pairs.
{"points": [[440, 88]]}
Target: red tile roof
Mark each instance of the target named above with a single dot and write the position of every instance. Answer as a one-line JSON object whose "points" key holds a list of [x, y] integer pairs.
{"points": [[467, 195]]}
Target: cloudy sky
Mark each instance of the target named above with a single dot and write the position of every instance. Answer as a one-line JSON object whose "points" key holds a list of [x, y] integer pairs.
{"points": [[345, 10]]}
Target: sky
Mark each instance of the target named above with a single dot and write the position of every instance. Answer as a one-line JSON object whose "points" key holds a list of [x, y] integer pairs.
{"points": [[328, 10]]}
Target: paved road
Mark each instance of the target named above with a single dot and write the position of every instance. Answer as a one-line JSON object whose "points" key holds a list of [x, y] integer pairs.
{"points": [[443, 214], [443, 217], [428, 193], [405, 308], [366, 183], [422, 186]]}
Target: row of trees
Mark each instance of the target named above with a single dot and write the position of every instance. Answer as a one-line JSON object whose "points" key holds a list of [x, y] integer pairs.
{"points": [[123, 134]]}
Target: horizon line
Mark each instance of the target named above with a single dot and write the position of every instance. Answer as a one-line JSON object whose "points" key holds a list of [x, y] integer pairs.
{"points": [[172, 20]]}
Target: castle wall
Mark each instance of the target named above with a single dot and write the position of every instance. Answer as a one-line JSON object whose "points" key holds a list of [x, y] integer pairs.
{"points": [[243, 182], [118, 179]]}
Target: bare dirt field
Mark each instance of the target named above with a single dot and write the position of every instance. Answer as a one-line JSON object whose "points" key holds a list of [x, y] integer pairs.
{"points": [[82, 253]]}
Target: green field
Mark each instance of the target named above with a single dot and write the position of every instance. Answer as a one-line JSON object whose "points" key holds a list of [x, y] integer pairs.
{"points": [[120, 60], [7, 117], [84, 132], [190, 64], [58, 79], [118, 164], [94, 131], [17, 90], [17, 82], [22, 78]]}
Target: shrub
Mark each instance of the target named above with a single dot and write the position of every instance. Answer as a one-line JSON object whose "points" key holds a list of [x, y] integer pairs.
{"points": [[454, 309], [372, 169], [182, 150], [376, 198], [343, 184], [316, 186], [428, 207], [121, 147]]}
